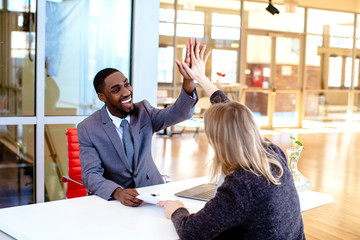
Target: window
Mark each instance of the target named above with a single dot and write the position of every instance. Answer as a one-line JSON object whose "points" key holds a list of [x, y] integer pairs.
{"points": [[166, 29], [225, 26], [195, 17], [328, 39], [21, 5], [80, 41], [166, 15], [190, 24], [166, 18], [348, 67], [223, 66], [330, 22], [165, 64], [17, 165], [335, 64], [188, 30], [259, 18], [215, 23], [339, 42]]}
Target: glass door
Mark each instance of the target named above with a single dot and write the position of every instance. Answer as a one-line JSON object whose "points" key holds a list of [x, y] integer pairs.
{"points": [[286, 85], [257, 76], [272, 76]]}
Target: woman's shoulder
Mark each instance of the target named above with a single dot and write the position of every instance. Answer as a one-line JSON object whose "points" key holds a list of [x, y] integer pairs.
{"points": [[219, 97], [275, 151], [235, 189], [245, 179], [239, 179]]}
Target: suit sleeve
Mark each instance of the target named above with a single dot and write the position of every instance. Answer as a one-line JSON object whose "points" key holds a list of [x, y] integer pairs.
{"points": [[91, 167], [181, 110]]}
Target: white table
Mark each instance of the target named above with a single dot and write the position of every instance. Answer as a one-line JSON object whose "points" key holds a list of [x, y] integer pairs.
{"points": [[94, 218]]}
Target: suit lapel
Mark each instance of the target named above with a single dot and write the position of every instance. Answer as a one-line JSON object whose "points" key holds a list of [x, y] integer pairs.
{"points": [[111, 131]]}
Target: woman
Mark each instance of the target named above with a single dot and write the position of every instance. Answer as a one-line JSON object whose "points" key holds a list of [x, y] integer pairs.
{"points": [[257, 199]]}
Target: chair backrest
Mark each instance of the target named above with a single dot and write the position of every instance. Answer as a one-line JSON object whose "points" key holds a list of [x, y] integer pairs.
{"points": [[74, 189]]}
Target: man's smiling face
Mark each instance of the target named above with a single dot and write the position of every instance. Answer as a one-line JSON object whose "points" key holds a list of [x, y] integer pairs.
{"points": [[117, 95]]}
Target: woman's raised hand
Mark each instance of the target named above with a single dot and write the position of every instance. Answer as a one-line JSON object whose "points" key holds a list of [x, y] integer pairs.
{"points": [[196, 70], [194, 66]]}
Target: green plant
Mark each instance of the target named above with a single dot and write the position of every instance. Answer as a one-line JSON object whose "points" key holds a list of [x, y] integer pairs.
{"points": [[294, 153], [295, 142]]}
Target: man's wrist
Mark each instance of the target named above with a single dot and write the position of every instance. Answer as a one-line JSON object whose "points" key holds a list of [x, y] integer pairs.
{"points": [[116, 193], [189, 86]]}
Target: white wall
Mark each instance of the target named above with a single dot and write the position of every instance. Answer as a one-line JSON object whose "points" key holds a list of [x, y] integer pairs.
{"points": [[145, 44], [145, 50]]}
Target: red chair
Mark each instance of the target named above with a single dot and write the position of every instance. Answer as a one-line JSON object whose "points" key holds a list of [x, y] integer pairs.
{"points": [[75, 187]]}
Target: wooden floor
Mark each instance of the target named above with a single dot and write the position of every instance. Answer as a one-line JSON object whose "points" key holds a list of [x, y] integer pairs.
{"points": [[330, 161]]}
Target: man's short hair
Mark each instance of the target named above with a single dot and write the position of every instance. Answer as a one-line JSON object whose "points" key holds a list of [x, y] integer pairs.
{"points": [[100, 77]]}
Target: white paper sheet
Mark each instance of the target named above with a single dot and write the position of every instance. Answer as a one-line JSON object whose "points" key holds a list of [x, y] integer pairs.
{"points": [[148, 198], [310, 199]]}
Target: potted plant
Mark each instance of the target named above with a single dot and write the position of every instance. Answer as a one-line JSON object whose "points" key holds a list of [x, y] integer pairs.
{"points": [[301, 183]]}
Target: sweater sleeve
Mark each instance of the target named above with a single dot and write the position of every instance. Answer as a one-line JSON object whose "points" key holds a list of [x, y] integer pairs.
{"points": [[219, 97], [226, 210]]}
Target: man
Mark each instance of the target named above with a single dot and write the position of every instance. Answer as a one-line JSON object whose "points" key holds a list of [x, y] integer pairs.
{"points": [[107, 168]]}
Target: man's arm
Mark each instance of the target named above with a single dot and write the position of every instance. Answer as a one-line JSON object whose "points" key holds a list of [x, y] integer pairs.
{"points": [[92, 173], [181, 110], [91, 167], [189, 86]]}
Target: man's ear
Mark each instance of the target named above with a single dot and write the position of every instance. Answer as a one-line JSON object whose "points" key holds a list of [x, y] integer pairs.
{"points": [[102, 97]]}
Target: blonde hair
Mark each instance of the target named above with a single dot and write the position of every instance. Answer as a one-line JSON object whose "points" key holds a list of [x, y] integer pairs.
{"points": [[237, 142]]}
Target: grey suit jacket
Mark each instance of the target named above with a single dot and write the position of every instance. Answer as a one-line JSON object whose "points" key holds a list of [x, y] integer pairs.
{"points": [[103, 160]]}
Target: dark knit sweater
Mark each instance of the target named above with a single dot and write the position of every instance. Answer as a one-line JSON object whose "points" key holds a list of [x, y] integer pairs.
{"points": [[246, 206]]}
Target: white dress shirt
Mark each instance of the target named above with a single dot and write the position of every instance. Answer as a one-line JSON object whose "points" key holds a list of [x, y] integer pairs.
{"points": [[117, 121]]}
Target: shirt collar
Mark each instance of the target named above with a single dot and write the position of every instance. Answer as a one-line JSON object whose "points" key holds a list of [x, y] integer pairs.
{"points": [[116, 120]]}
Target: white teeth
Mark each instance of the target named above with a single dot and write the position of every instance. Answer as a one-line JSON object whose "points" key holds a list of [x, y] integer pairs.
{"points": [[126, 101]]}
